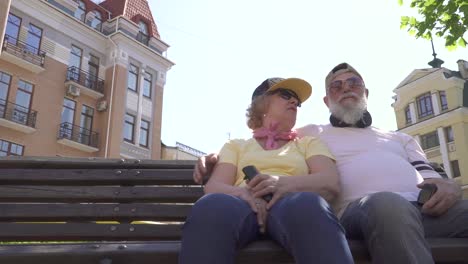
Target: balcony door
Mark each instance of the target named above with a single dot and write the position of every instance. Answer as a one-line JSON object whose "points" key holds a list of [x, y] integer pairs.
{"points": [[93, 66], [68, 115], [23, 102], [5, 80], [74, 64], [86, 125], [33, 40], [13, 29]]}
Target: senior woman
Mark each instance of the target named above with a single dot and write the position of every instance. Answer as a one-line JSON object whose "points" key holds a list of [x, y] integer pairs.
{"points": [[300, 174]]}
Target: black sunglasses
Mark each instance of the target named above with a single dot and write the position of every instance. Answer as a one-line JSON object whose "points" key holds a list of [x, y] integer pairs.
{"points": [[286, 94]]}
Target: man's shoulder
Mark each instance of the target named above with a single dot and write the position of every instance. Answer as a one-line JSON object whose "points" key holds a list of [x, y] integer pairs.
{"points": [[311, 130]]}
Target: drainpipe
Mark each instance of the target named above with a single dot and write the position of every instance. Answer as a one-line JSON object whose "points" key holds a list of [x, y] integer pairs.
{"points": [[106, 152]]}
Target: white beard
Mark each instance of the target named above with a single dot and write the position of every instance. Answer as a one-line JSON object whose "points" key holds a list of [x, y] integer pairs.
{"points": [[350, 114]]}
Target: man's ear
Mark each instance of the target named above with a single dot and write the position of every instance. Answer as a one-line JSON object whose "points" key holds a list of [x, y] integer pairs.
{"points": [[325, 100], [367, 93]]}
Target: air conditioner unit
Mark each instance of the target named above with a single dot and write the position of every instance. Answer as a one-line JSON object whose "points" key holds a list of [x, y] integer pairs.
{"points": [[73, 91], [451, 147], [101, 105]]}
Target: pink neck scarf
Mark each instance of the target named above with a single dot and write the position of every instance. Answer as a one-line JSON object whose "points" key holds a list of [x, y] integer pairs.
{"points": [[273, 135]]}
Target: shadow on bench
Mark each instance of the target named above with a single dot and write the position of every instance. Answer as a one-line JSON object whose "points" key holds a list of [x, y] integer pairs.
{"points": [[139, 207]]}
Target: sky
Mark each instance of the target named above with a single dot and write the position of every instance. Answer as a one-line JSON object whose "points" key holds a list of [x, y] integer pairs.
{"points": [[223, 50]]}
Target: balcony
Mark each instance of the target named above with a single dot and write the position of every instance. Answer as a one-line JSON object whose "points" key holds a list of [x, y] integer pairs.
{"points": [[23, 55], [142, 38], [78, 137], [17, 117], [87, 83]]}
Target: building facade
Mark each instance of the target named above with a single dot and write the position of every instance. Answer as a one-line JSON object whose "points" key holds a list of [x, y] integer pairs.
{"points": [[81, 79], [432, 106]]}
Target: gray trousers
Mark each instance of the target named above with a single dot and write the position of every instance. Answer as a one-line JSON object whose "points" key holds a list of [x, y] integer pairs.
{"points": [[394, 229]]}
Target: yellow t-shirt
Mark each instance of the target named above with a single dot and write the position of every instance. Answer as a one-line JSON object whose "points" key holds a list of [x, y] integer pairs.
{"points": [[289, 160]]}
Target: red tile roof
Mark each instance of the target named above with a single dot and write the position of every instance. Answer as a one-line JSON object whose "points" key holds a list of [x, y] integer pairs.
{"points": [[134, 10]]}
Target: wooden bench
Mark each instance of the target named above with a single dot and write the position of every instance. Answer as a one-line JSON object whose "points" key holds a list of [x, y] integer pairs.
{"points": [[100, 200]]}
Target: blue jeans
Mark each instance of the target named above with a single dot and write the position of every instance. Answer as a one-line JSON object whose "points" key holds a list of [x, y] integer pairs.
{"points": [[303, 223], [395, 229]]}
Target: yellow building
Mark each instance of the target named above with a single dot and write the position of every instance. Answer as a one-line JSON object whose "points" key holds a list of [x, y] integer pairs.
{"points": [[432, 105], [81, 79]]}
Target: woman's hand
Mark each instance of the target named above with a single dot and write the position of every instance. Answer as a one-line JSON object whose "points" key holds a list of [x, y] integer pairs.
{"points": [[264, 184], [257, 205]]}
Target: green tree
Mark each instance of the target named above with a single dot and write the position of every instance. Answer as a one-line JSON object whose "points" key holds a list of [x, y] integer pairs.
{"points": [[447, 19]]}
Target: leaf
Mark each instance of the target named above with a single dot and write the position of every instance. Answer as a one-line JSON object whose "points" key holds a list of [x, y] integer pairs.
{"points": [[462, 42], [400, 2], [412, 32]]}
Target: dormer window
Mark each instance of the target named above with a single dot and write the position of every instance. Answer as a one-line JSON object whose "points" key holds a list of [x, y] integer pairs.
{"points": [[95, 20], [80, 11], [143, 34]]}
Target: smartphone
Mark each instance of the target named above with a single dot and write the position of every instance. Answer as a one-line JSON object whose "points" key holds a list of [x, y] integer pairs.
{"points": [[250, 172], [426, 193]]}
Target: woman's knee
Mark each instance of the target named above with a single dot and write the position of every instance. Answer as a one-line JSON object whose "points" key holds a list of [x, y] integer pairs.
{"points": [[217, 209]]}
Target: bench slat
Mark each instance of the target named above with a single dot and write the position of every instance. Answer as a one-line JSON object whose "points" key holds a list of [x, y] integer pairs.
{"points": [[88, 163], [167, 251], [96, 177], [24, 193], [88, 232], [94, 212]]}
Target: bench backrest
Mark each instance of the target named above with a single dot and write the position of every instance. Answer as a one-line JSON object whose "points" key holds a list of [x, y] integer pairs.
{"points": [[98, 199]]}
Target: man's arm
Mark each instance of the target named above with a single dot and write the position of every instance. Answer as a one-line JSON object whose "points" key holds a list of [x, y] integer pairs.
{"points": [[448, 191], [204, 168]]}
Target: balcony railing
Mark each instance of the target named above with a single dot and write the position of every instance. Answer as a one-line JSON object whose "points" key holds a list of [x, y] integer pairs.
{"points": [[85, 79], [78, 134], [23, 50], [17, 113], [142, 38]]}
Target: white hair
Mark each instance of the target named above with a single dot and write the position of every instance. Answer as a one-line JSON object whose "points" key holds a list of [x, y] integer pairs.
{"points": [[350, 113]]}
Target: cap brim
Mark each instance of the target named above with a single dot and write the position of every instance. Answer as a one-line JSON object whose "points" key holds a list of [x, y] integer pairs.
{"points": [[302, 88]]}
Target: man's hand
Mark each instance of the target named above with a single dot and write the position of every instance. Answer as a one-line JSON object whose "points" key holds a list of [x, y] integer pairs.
{"points": [[447, 194], [204, 168], [264, 184]]}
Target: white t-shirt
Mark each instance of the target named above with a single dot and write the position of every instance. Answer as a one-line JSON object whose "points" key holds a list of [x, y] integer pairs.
{"points": [[371, 160]]}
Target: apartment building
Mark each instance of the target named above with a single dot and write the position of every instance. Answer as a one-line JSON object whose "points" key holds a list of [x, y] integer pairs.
{"points": [[432, 105], [81, 79]]}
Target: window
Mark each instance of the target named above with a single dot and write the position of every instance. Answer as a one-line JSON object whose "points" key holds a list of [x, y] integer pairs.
{"points": [[5, 80], [424, 105], [86, 125], [144, 133], [96, 20], [67, 120], [75, 57], [430, 140], [74, 63], [93, 66], [408, 115], [143, 34], [129, 127], [80, 11], [147, 85], [455, 168], [443, 101], [68, 111], [13, 28], [10, 149], [23, 102], [33, 40], [132, 81], [448, 134]]}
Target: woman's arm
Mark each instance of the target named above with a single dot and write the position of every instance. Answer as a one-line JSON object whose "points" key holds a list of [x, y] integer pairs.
{"points": [[222, 179]]}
